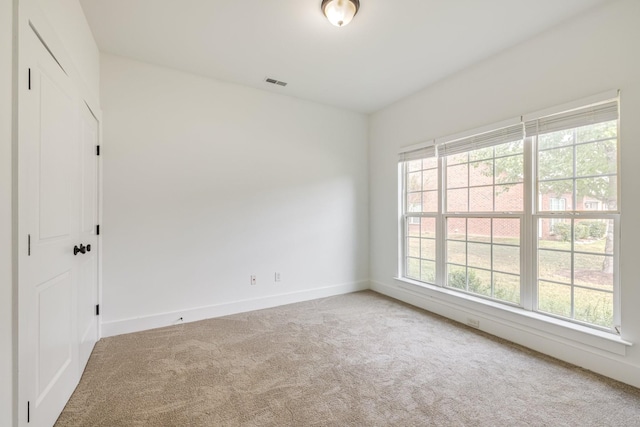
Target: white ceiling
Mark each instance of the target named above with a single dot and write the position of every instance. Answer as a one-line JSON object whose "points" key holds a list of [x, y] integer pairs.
{"points": [[391, 49]]}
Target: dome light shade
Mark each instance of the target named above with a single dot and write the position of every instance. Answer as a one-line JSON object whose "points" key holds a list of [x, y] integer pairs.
{"points": [[340, 12]]}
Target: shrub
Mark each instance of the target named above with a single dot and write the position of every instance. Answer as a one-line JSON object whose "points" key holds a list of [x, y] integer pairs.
{"points": [[562, 230], [581, 231], [458, 279], [597, 229]]}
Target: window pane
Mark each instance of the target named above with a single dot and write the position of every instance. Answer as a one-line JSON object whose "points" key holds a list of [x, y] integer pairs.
{"points": [[509, 169], [481, 173], [481, 154], [514, 147], [413, 247], [595, 271], [555, 164], [430, 163], [414, 181], [430, 179], [456, 277], [594, 307], [554, 196], [428, 271], [597, 193], [506, 259], [595, 236], [457, 252], [506, 287], [413, 226], [414, 202], [458, 158], [413, 268], [509, 198], [457, 228], [479, 229], [556, 139], [506, 231], [430, 201], [598, 131], [457, 200], [479, 255], [483, 257], [554, 265], [428, 249], [414, 165], [458, 176], [596, 158], [481, 199], [479, 281], [428, 227], [554, 298]]}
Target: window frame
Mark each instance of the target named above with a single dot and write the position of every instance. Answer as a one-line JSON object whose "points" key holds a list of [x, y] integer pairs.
{"points": [[530, 227]]}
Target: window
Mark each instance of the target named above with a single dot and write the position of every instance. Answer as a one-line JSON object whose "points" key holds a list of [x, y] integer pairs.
{"points": [[556, 204], [421, 206], [473, 206]]}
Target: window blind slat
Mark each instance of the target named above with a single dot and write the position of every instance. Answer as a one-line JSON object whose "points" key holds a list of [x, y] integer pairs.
{"points": [[572, 119], [484, 140], [421, 153]]}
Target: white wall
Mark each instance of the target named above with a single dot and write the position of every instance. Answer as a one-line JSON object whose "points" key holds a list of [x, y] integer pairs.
{"points": [[207, 183], [590, 54], [6, 285]]}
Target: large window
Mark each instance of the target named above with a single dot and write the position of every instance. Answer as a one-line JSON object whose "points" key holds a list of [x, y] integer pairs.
{"points": [[473, 207]]}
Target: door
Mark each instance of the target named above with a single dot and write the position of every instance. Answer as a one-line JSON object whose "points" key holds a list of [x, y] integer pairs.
{"points": [[49, 218], [88, 268]]}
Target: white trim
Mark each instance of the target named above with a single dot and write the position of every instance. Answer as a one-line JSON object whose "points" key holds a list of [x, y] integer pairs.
{"points": [[588, 349], [580, 103], [479, 130], [160, 320]]}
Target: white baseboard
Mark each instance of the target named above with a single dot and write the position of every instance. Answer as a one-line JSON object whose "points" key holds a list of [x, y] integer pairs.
{"points": [[125, 326], [608, 363]]}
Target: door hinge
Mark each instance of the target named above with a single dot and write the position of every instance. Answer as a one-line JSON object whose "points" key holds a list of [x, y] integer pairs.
{"points": [[97, 309], [28, 411], [97, 150], [28, 244], [29, 83], [98, 230]]}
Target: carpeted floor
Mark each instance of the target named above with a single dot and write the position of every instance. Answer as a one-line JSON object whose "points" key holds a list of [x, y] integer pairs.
{"points": [[353, 360]]}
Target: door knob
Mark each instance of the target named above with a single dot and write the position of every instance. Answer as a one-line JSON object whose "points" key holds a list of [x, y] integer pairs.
{"points": [[82, 249]]}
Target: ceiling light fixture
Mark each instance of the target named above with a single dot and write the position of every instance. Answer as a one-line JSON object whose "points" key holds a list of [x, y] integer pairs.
{"points": [[340, 12]]}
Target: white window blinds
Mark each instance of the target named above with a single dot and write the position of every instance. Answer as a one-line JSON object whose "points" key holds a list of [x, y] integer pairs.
{"points": [[572, 119], [483, 140], [417, 153]]}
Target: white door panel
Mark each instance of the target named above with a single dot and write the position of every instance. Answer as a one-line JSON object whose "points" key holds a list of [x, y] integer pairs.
{"points": [[56, 166], [55, 340]]}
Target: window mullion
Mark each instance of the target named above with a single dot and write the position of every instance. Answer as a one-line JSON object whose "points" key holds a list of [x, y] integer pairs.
{"points": [[441, 266], [528, 231]]}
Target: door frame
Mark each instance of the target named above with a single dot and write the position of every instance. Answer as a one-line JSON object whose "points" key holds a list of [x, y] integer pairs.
{"points": [[28, 15]]}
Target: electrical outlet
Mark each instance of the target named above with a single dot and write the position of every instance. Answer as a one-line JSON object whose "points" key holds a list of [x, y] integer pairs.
{"points": [[277, 277], [474, 323], [253, 279]]}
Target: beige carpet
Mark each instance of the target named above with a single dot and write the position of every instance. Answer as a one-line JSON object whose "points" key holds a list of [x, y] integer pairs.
{"points": [[353, 360]]}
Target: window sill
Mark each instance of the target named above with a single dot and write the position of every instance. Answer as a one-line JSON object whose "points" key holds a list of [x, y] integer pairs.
{"points": [[518, 318]]}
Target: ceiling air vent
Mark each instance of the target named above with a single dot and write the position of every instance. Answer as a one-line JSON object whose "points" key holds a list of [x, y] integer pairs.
{"points": [[275, 82]]}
